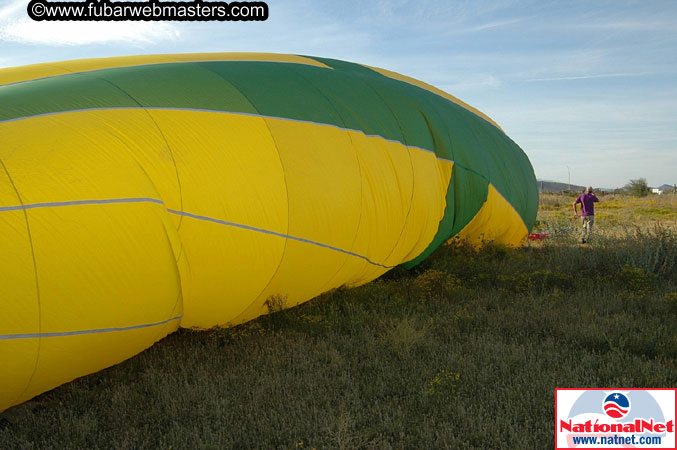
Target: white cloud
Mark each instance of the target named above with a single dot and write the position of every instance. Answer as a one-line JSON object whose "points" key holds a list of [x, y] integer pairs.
{"points": [[494, 25], [630, 25], [485, 81], [586, 77], [27, 31], [11, 9], [16, 27]]}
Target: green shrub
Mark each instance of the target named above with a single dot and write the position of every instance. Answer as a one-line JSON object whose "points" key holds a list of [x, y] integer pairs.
{"points": [[638, 187]]}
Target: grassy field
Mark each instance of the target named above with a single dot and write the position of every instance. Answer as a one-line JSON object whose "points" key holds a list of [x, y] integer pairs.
{"points": [[465, 351]]}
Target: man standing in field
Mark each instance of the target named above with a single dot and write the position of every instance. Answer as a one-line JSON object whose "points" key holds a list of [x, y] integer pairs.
{"points": [[587, 201]]}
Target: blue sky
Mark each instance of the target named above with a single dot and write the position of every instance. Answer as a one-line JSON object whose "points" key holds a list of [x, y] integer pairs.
{"points": [[591, 85]]}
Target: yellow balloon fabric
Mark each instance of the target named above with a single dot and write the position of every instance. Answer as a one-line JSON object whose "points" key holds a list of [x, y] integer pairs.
{"points": [[144, 193]]}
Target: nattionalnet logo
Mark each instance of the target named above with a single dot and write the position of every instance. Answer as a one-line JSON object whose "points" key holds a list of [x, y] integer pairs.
{"points": [[615, 418], [616, 405]]}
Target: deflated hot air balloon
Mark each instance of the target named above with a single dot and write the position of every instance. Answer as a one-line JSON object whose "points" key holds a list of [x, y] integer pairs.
{"points": [[140, 194]]}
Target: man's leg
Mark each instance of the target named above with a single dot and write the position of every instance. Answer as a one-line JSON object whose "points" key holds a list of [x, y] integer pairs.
{"points": [[584, 231], [591, 222]]}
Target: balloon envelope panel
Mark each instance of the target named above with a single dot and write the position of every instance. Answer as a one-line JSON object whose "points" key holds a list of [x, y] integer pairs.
{"points": [[144, 193]]}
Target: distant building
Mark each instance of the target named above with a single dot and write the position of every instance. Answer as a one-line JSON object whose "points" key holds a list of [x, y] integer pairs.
{"points": [[663, 189]]}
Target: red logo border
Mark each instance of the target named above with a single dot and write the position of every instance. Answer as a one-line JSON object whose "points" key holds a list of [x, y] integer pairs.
{"points": [[674, 390]]}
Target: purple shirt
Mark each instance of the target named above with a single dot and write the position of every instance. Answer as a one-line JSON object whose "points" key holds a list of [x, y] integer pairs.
{"points": [[587, 202]]}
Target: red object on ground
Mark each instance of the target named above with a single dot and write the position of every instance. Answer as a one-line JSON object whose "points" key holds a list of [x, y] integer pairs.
{"points": [[538, 236]]}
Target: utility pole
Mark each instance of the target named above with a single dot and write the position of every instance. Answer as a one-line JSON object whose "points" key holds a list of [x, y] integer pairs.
{"points": [[569, 170]]}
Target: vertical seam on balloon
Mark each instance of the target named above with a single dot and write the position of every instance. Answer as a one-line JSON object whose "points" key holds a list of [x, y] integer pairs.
{"points": [[488, 180], [178, 275], [164, 138], [413, 172], [450, 186], [488, 177], [447, 235], [37, 283], [286, 188], [437, 167], [497, 144], [286, 240], [150, 180], [359, 220], [359, 168]]}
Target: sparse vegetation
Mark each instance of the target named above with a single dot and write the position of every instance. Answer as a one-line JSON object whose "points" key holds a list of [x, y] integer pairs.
{"points": [[638, 187], [463, 352]]}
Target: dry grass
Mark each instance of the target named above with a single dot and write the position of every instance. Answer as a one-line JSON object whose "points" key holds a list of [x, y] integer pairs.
{"points": [[614, 213], [463, 352]]}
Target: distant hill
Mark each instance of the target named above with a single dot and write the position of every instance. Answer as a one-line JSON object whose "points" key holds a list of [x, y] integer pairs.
{"points": [[555, 186], [666, 187]]}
